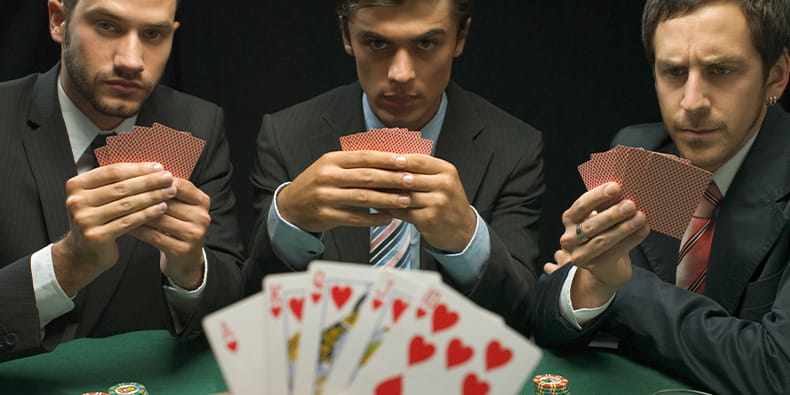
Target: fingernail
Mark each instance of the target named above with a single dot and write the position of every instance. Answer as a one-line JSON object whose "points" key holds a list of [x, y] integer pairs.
{"points": [[611, 190], [400, 161], [408, 180], [157, 167], [162, 206], [170, 191], [627, 207], [167, 176], [404, 200]]}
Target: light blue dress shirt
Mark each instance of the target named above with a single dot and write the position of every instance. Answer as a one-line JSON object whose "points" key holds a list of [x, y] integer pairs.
{"points": [[298, 248]]}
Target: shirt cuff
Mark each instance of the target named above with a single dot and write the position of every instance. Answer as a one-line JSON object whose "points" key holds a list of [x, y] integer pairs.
{"points": [[466, 266], [289, 242], [578, 317], [183, 301], [51, 300]]}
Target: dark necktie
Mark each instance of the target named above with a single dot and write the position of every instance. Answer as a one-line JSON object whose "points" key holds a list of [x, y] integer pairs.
{"points": [[99, 141]]}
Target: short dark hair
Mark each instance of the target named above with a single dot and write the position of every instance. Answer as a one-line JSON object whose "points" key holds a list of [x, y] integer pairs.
{"points": [[768, 20], [461, 9], [70, 4]]}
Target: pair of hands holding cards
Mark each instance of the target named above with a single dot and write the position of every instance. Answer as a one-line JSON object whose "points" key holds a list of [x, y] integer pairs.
{"points": [[630, 192], [388, 170], [353, 329], [141, 189]]}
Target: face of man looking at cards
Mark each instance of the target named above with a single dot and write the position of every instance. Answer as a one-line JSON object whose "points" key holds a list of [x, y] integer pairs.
{"points": [[404, 54], [113, 55]]}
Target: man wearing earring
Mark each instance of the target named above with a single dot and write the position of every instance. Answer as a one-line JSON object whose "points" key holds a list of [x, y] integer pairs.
{"points": [[469, 210], [93, 251], [714, 307]]}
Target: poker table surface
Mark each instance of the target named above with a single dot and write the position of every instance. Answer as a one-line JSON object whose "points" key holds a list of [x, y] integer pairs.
{"points": [[169, 367]]}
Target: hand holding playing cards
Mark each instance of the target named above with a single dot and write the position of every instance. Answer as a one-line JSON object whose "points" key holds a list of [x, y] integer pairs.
{"points": [[439, 208], [601, 251], [179, 234], [339, 187], [104, 204]]}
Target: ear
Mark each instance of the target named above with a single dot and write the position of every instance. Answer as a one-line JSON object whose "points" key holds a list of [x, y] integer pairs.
{"points": [[344, 34], [778, 76], [462, 35], [57, 20]]}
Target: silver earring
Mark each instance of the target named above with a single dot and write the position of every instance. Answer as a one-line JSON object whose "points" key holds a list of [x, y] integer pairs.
{"points": [[772, 100]]}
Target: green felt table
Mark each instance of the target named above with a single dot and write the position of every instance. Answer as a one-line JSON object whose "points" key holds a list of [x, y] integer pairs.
{"points": [[167, 367]]}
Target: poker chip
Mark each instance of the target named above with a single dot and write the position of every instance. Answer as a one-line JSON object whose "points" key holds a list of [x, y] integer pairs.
{"points": [[550, 384], [128, 388]]}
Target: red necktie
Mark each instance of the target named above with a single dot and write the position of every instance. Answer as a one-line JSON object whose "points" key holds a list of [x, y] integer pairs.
{"points": [[695, 247]]}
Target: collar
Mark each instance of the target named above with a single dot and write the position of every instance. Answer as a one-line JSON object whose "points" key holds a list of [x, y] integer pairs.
{"points": [[430, 131], [726, 173], [80, 129]]}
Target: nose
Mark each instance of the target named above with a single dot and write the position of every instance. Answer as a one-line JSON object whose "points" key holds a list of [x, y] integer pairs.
{"points": [[129, 56], [401, 69], [695, 96]]}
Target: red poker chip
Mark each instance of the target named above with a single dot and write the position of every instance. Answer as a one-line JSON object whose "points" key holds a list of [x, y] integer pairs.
{"points": [[550, 381]]}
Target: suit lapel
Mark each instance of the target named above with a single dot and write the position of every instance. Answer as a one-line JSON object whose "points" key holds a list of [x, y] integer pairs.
{"points": [[49, 153], [343, 117], [749, 218], [457, 141]]}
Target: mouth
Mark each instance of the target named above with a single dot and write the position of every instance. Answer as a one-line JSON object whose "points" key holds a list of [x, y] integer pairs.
{"points": [[124, 86], [399, 101], [698, 132]]}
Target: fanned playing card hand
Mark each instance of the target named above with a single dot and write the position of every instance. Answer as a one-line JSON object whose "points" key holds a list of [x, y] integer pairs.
{"points": [[352, 329], [666, 188], [177, 151]]}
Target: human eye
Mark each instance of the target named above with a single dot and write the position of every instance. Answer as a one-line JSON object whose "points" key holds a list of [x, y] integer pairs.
{"points": [[673, 72], [106, 27], [376, 44], [426, 44], [720, 70], [153, 35]]}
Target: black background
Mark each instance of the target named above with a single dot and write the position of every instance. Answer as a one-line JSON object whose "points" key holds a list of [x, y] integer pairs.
{"points": [[574, 69]]}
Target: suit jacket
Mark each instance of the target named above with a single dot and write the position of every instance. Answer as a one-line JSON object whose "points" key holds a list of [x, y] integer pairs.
{"points": [[499, 160], [735, 338], [36, 158]]}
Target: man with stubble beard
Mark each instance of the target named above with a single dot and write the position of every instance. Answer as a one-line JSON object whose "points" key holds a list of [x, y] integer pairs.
{"points": [[90, 251]]}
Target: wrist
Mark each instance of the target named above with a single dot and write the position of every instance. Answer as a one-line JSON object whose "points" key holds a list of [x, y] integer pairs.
{"points": [[588, 292]]}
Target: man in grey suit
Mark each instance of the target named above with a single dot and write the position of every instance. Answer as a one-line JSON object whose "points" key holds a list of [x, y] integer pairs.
{"points": [[469, 211], [90, 251], [717, 309]]}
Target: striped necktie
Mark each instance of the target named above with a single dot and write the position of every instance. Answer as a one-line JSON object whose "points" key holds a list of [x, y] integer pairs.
{"points": [[389, 245], [692, 267]]}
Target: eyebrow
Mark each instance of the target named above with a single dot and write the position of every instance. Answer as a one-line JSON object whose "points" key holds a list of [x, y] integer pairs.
{"points": [[103, 12], [424, 36], [731, 60]]}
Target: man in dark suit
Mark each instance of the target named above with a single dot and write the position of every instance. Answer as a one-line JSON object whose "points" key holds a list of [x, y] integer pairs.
{"points": [[469, 211], [92, 251], [717, 309]]}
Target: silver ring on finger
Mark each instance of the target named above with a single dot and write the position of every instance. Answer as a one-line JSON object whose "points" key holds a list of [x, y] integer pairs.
{"points": [[579, 234]]}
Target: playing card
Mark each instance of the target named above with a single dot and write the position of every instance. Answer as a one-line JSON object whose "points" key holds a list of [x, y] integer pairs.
{"points": [[401, 141], [416, 354], [285, 296], [236, 336], [335, 295], [388, 301]]}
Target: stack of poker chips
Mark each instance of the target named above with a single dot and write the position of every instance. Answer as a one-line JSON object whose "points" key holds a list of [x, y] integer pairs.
{"points": [[123, 389], [550, 384]]}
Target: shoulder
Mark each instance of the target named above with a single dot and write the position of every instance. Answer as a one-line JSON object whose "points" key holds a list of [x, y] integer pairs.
{"points": [[468, 104], [11, 92], [182, 111], [339, 99], [647, 135]]}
